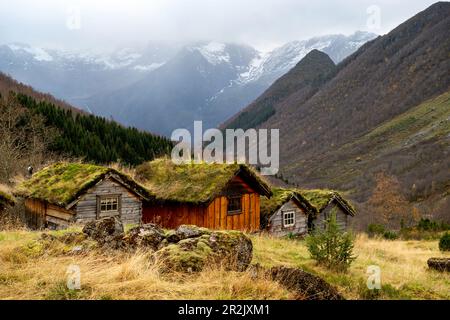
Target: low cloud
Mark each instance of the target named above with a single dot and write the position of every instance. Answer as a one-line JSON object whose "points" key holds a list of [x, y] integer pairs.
{"points": [[262, 23]]}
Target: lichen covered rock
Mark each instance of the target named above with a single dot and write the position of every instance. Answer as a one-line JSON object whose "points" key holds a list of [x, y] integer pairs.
{"points": [[146, 236], [188, 248], [190, 231], [307, 285], [229, 249], [107, 231]]}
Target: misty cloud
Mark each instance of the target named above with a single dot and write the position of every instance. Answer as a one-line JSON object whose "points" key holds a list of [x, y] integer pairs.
{"points": [[262, 23]]}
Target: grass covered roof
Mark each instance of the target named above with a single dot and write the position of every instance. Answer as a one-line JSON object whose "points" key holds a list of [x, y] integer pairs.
{"points": [[192, 182], [63, 183], [279, 197], [320, 198], [6, 198]]}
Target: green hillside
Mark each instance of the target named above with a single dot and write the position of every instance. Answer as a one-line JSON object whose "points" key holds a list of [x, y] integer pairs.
{"points": [[412, 146]]}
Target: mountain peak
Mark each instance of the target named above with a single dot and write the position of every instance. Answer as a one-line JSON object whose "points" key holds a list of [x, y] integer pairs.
{"points": [[315, 63], [316, 56]]}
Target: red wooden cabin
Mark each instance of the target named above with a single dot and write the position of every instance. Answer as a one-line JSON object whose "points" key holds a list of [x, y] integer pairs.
{"points": [[215, 196]]}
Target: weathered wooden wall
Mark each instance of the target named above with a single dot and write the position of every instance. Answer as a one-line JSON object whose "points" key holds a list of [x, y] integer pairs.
{"points": [[276, 227], [35, 213], [341, 216], [130, 209], [212, 216]]}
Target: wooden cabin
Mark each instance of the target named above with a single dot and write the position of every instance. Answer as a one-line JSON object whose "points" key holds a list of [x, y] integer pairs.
{"points": [[286, 213], [325, 202], [66, 193], [215, 196]]}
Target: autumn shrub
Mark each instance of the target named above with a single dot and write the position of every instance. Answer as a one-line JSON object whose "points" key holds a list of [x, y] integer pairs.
{"points": [[390, 235], [429, 225], [332, 246], [444, 242], [378, 230], [375, 229]]}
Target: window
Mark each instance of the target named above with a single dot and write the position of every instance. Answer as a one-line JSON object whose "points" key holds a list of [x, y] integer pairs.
{"points": [[288, 219], [109, 204], [234, 205]]}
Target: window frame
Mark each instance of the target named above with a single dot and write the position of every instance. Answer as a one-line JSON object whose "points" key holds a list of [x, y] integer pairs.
{"points": [[237, 211], [103, 197], [284, 214]]}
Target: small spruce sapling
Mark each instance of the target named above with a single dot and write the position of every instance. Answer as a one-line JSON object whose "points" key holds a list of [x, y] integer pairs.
{"points": [[331, 247]]}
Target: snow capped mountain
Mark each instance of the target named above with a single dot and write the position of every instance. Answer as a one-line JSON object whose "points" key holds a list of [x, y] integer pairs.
{"points": [[207, 81], [122, 58], [77, 75], [38, 54], [281, 60], [214, 52]]}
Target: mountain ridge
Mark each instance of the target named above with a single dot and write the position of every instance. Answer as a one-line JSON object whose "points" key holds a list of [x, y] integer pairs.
{"points": [[384, 79]]}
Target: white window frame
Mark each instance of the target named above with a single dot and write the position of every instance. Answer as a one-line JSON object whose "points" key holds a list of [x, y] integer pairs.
{"points": [[111, 201], [290, 216]]}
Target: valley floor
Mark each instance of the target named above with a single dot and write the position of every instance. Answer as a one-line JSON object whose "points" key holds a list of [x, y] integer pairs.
{"points": [[28, 273]]}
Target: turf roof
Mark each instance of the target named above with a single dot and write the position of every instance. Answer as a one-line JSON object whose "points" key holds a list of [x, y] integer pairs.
{"points": [[279, 197], [192, 182], [63, 183], [320, 198]]}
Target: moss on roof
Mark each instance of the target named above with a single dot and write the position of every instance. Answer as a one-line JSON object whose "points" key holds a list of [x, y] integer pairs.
{"points": [[279, 197], [320, 198], [62, 183], [192, 182], [6, 198]]}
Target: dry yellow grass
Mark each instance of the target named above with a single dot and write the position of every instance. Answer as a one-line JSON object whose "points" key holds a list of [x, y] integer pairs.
{"points": [[116, 276], [31, 275], [403, 264]]}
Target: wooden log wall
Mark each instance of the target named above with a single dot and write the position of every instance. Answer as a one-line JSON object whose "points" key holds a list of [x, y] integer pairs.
{"points": [[212, 216], [130, 205], [276, 226]]}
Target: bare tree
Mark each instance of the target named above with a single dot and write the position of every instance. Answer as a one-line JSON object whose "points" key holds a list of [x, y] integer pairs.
{"points": [[24, 138], [387, 202]]}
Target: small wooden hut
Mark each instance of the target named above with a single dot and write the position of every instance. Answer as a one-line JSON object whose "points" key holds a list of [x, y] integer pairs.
{"points": [[286, 213], [215, 196], [65, 193], [325, 202]]}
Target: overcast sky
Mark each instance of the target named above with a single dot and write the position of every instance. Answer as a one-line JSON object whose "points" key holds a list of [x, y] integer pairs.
{"points": [[105, 24]]}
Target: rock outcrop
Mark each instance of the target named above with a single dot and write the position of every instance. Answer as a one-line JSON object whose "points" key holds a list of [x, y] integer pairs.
{"points": [[146, 236], [440, 264], [187, 249], [107, 232], [309, 286], [305, 285], [229, 249]]}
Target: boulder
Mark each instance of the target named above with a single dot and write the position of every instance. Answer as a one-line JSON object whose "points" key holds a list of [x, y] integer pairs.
{"points": [[190, 231], [230, 249], [147, 236], [440, 264], [172, 236], [306, 285], [107, 231], [67, 243]]}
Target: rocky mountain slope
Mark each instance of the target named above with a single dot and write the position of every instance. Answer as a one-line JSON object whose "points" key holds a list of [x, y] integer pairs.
{"points": [[385, 109]]}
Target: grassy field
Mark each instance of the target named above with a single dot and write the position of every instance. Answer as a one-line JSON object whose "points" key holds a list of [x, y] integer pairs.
{"points": [[404, 271], [27, 272]]}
